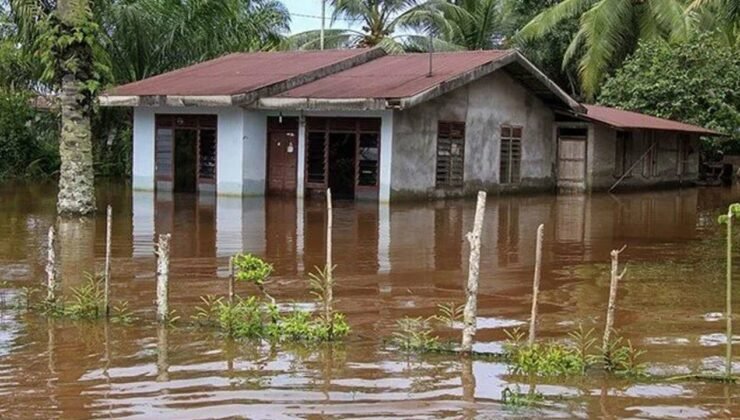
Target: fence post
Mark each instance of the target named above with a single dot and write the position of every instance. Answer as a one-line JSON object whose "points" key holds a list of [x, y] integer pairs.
{"points": [[51, 268], [106, 286], [728, 297], [163, 272], [329, 267], [536, 283], [471, 290], [612, 306]]}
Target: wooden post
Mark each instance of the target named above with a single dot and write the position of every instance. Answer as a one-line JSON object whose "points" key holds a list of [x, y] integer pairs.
{"points": [[536, 283], [728, 297], [471, 290], [163, 350], [231, 279], [51, 268], [329, 266], [106, 286], [163, 272], [611, 308]]}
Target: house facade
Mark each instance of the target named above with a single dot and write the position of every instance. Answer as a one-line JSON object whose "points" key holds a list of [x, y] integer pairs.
{"points": [[388, 127]]}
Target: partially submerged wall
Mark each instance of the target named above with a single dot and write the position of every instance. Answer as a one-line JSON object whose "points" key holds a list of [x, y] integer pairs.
{"points": [[603, 155], [484, 105]]}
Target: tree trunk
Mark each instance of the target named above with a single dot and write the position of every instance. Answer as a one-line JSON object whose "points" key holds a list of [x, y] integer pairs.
{"points": [[471, 289], [76, 189]]}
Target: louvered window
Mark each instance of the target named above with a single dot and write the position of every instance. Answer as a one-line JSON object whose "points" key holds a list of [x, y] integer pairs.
{"points": [[450, 154], [511, 154]]}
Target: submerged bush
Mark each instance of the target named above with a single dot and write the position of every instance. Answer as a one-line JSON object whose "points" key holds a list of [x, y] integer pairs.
{"points": [[415, 334], [250, 268], [574, 357]]}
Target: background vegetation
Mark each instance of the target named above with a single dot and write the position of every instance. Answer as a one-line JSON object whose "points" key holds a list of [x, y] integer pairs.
{"points": [[671, 58]]}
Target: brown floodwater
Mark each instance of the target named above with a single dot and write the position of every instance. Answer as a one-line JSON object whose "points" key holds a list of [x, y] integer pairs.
{"points": [[392, 261]]}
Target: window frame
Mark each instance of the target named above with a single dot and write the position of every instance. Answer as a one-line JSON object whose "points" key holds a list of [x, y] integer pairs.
{"points": [[445, 180], [507, 141]]}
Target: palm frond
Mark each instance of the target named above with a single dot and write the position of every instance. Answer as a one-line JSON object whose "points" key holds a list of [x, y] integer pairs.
{"points": [[548, 19]]}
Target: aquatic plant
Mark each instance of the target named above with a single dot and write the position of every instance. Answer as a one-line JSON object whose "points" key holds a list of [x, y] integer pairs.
{"points": [[332, 324], [122, 314], [414, 334], [516, 398], [87, 300], [250, 268], [448, 314], [208, 313], [245, 318], [622, 359]]}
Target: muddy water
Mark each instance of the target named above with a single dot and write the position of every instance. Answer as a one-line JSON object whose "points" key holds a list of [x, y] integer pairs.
{"points": [[392, 261]]}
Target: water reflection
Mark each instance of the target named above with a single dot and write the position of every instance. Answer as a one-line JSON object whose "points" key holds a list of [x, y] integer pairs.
{"points": [[393, 261]]}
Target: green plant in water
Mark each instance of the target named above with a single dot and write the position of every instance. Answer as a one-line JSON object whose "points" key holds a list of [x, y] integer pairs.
{"points": [[121, 314], [414, 334], [333, 324], [733, 212], [516, 398], [87, 300], [583, 343], [622, 359], [542, 359], [250, 268], [208, 312], [449, 313], [246, 318]]}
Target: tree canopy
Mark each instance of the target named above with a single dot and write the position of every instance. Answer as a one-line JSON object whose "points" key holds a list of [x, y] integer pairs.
{"points": [[695, 81]]}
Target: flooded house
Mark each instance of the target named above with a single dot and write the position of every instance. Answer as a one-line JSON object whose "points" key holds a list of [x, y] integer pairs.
{"points": [[387, 127]]}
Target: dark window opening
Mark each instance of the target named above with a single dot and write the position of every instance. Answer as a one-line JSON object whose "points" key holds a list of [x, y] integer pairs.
{"points": [[207, 146], [450, 154], [186, 156], [342, 164], [511, 154]]}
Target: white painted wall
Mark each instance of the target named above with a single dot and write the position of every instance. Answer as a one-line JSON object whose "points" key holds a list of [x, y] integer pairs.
{"points": [[230, 168], [254, 154], [143, 159]]}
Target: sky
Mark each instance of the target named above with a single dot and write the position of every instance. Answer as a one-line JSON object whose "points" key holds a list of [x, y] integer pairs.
{"points": [[305, 15]]}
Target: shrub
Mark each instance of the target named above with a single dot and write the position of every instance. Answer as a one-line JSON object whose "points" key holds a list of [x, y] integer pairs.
{"points": [[415, 334]]}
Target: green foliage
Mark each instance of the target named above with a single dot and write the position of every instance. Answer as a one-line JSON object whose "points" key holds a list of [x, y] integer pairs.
{"points": [[121, 314], [733, 209], [28, 142], [245, 318], [572, 358], [250, 268], [415, 335], [449, 313], [87, 300], [694, 81], [622, 359], [208, 313]]}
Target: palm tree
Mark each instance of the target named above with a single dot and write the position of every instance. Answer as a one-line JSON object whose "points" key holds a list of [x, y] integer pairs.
{"points": [[381, 21], [608, 31], [148, 37], [474, 24], [719, 16]]}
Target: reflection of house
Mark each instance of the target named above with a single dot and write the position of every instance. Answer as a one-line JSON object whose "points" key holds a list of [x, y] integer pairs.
{"points": [[374, 126]]}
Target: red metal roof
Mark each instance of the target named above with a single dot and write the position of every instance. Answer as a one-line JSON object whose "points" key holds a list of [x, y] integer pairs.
{"points": [[395, 76], [631, 120], [235, 73]]}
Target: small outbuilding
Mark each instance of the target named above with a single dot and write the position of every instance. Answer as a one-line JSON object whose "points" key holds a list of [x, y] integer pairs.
{"points": [[385, 127]]}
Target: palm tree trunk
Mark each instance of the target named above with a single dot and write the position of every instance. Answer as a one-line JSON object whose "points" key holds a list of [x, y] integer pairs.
{"points": [[76, 189]]}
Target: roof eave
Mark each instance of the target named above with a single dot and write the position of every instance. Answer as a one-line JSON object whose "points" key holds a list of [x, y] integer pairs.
{"points": [[320, 104], [166, 100]]}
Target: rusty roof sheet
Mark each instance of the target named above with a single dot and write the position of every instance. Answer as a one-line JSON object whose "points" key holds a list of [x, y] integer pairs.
{"points": [[235, 73], [619, 118], [395, 76]]}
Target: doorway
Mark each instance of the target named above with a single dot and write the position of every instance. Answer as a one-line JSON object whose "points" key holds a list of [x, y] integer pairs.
{"points": [[186, 157], [282, 155], [342, 165], [572, 158], [185, 153]]}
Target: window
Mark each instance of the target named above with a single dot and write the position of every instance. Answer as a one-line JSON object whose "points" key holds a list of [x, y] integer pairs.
{"points": [[450, 154], [207, 144], [650, 162], [367, 160], [623, 152], [316, 158], [511, 154]]}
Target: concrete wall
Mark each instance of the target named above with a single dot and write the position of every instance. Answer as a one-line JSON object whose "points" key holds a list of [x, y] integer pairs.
{"points": [[602, 154], [484, 105]]}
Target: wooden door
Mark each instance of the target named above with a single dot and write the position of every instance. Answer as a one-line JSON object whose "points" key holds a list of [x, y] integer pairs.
{"points": [[282, 162], [571, 160]]}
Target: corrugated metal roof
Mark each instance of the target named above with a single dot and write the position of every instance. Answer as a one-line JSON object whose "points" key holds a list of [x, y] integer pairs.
{"points": [[395, 76], [631, 120], [235, 73]]}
